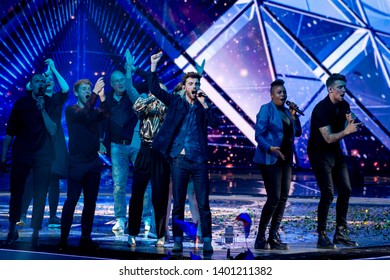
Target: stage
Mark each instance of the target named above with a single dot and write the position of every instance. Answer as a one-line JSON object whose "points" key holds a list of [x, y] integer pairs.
{"points": [[232, 192]]}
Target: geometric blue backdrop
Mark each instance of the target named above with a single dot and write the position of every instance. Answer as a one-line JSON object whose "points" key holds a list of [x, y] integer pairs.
{"points": [[246, 44]]}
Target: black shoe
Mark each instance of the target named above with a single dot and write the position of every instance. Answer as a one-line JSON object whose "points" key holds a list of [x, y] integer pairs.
{"points": [[11, 238], [207, 247], [54, 222], [34, 241], [324, 241], [261, 243], [35, 238], [275, 242], [62, 245], [177, 246], [342, 237], [88, 244]]}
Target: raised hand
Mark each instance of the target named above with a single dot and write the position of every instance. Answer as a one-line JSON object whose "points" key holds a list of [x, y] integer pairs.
{"points": [[50, 66], [200, 68], [99, 87], [156, 57], [130, 59]]}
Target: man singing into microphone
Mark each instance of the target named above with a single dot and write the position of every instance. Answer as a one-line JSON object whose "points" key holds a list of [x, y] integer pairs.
{"points": [[183, 137], [331, 121], [32, 128]]}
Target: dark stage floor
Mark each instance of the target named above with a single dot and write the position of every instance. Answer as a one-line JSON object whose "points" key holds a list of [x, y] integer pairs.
{"points": [[232, 192]]}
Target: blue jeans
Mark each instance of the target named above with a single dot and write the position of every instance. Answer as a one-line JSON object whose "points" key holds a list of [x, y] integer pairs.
{"points": [[182, 170], [121, 155], [194, 209]]}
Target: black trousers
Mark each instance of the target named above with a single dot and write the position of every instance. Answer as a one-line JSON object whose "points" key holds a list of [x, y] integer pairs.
{"points": [[41, 179], [331, 170], [149, 165], [277, 180], [89, 184], [54, 193]]}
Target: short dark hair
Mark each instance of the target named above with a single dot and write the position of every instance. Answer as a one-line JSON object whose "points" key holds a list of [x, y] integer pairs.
{"points": [[335, 77], [190, 75], [277, 82]]}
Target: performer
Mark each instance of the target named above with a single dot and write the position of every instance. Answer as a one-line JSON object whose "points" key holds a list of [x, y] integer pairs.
{"points": [[331, 121], [120, 133], [183, 137], [150, 164], [84, 162], [275, 129], [59, 167], [32, 128]]}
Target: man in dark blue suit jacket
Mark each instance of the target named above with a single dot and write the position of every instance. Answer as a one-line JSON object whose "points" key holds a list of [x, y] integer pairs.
{"points": [[183, 137]]}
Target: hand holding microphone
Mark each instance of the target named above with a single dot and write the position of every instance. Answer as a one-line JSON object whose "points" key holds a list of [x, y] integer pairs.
{"points": [[41, 91], [40, 103], [201, 96], [199, 93], [351, 126], [294, 106]]}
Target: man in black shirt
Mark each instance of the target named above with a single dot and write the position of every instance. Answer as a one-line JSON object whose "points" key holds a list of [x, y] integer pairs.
{"points": [[59, 167], [120, 137], [32, 128], [331, 121], [84, 162]]}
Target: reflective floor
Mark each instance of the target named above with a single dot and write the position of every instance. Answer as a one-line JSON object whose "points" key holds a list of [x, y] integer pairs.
{"points": [[232, 192]]}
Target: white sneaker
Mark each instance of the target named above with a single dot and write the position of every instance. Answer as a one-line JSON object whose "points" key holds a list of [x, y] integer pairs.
{"points": [[160, 242], [23, 221], [131, 241], [119, 225]]}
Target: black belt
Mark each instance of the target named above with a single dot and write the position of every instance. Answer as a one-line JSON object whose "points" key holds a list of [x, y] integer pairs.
{"points": [[146, 143], [123, 142]]}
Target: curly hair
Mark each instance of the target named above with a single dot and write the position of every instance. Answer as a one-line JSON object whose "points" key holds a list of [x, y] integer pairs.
{"points": [[190, 75]]}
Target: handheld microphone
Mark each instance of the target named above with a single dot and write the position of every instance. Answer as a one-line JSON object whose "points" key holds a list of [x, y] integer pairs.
{"points": [[294, 106], [41, 91], [199, 94]]}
